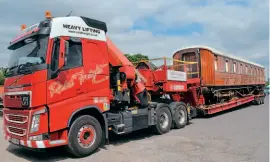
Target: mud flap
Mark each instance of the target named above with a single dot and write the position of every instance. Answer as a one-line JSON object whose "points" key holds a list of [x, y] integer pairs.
{"points": [[192, 112], [143, 98]]}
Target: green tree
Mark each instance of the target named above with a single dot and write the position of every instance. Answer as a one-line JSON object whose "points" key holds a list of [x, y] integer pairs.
{"points": [[136, 57], [267, 82], [2, 77]]}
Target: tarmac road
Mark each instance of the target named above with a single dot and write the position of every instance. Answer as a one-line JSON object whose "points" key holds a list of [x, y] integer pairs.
{"points": [[241, 135]]}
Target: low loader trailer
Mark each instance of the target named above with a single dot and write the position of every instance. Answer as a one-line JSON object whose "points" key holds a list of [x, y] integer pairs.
{"points": [[69, 85]]}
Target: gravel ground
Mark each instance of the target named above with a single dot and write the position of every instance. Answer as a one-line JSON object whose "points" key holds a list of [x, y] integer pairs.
{"points": [[241, 135]]}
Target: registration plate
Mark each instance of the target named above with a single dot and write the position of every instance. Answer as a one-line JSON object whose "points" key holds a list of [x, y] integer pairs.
{"points": [[15, 141]]}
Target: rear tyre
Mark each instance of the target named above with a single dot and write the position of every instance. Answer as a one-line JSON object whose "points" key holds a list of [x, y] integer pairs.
{"points": [[180, 116], [164, 120], [84, 137]]}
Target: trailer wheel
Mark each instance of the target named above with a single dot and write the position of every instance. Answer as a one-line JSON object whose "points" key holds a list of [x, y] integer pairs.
{"points": [[257, 100], [180, 116], [164, 120], [260, 100], [85, 136]]}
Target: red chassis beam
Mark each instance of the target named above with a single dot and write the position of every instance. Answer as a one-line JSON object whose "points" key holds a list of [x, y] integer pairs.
{"points": [[229, 105]]}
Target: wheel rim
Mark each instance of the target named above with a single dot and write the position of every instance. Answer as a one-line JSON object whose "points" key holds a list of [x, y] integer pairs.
{"points": [[86, 136], [181, 118], [164, 120]]}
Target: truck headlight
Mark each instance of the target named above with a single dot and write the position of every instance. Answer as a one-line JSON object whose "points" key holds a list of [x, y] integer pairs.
{"points": [[35, 123], [36, 120]]}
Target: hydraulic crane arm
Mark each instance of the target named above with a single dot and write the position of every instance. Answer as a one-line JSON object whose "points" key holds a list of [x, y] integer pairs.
{"points": [[118, 59]]}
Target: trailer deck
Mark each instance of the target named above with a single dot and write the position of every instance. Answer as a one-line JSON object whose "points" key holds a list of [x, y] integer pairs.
{"points": [[227, 105]]}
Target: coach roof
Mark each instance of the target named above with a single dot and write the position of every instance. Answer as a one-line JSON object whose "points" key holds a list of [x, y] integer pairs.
{"points": [[220, 53]]}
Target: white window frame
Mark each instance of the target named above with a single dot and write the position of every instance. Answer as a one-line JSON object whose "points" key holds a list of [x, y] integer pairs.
{"points": [[226, 66], [215, 64], [234, 67]]}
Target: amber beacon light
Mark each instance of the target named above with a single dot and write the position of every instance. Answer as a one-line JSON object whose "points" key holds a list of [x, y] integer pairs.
{"points": [[48, 14], [23, 26]]}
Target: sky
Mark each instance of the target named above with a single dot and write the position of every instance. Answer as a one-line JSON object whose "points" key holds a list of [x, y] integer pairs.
{"points": [[156, 28]]}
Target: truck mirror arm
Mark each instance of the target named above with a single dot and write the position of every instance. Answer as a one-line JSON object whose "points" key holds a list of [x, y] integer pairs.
{"points": [[62, 60]]}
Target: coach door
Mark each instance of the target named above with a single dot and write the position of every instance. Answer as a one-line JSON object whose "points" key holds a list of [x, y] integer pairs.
{"points": [[191, 69]]}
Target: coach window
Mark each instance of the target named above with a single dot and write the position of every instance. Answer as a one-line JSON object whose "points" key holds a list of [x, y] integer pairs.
{"points": [[259, 73], [234, 67], [74, 57], [241, 69], [226, 66], [215, 63], [255, 72]]}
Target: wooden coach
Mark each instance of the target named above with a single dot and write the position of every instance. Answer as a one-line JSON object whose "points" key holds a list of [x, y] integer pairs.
{"points": [[220, 74], [219, 69]]}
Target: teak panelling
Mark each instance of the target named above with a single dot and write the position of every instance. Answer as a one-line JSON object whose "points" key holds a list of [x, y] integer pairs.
{"points": [[211, 77], [207, 67], [242, 75]]}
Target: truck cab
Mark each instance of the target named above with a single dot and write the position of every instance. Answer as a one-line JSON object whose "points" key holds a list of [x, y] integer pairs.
{"points": [[69, 85], [57, 68]]}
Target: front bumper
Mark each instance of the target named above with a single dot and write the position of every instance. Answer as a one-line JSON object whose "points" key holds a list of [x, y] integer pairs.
{"points": [[36, 144]]}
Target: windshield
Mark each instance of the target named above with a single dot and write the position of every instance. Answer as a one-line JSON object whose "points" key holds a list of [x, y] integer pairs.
{"points": [[31, 51]]}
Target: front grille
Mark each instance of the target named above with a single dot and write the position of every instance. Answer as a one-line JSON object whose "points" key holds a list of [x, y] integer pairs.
{"points": [[16, 123], [19, 119], [16, 131]]}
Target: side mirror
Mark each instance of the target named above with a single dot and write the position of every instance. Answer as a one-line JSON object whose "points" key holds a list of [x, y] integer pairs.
{"points": [[63, 52]]}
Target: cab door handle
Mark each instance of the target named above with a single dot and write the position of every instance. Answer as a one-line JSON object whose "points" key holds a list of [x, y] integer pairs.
{"points": [[79, 91]]}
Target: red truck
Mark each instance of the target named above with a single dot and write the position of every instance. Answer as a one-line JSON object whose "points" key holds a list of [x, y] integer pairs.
{"points": [[1, 98], [68, 84]]}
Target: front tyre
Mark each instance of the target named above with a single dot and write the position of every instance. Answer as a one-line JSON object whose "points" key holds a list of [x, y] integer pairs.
{"points": [[85, 136]]}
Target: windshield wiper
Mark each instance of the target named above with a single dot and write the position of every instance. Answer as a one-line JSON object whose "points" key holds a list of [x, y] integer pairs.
{"points": [[9, 71], [24, 68], [13, 67]]}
